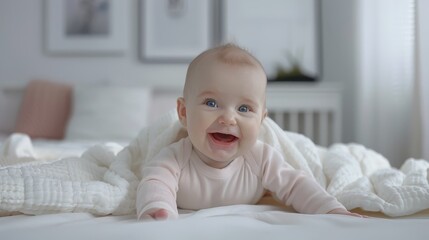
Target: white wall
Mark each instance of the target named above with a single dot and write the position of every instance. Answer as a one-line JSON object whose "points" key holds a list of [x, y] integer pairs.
{"points": [[22, 54]]}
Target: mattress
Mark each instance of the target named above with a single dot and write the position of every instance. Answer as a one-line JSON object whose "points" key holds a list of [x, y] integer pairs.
{"points": [[229, 222]]}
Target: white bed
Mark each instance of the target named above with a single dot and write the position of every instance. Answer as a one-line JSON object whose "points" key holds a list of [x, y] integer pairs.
{"points": [[266, 220], [232, 222]]}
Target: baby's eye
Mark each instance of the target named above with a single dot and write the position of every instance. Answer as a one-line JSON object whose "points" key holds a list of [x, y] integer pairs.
{"points": [[210, 103], [243, 108]]}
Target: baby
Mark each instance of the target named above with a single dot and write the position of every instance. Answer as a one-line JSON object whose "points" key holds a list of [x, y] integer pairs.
{"points": [[222, 162]]}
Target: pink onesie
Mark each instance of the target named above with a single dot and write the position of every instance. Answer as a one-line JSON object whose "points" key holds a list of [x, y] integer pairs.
{"points": [[177, 178]]}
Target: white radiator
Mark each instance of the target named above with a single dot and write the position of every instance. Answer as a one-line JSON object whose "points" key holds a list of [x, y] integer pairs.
{"points": [[312, 110]]}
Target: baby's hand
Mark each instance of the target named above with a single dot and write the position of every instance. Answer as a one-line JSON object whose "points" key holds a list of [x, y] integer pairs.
{"points": [[160, 214], [345, 212]]}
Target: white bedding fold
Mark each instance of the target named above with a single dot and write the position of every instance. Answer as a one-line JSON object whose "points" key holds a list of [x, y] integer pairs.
{"points": [[104, 179]]}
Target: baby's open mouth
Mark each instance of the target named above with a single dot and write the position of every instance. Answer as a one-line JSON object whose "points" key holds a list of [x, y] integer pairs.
{"points": [[222, 137]]}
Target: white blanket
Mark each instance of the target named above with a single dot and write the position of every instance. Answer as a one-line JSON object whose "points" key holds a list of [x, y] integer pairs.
{"points": [[104, 179]]}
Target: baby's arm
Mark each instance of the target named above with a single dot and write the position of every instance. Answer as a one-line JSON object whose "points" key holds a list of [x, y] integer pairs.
{"points": [[156, 193], [296, 188]]}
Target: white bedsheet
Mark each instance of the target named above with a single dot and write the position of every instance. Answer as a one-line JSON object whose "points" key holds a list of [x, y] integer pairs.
{"points": [[230, 222]]}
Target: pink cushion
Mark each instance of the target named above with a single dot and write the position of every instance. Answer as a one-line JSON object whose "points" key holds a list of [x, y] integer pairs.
{"points": [[44, 110]]}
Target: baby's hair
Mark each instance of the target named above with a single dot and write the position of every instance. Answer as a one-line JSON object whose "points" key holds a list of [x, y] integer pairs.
{"points": [[239, 57], [230, 54]]}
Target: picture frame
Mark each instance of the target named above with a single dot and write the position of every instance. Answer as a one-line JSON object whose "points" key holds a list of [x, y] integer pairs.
{"points": [[289, 42], [86, 27], [175, 31]]}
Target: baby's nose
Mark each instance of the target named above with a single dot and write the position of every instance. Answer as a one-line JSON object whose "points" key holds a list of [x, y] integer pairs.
{"points": [[227, 118]]}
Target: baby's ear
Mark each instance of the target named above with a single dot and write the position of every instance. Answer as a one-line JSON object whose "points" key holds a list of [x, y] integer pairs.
{"points": [[181, 110]]}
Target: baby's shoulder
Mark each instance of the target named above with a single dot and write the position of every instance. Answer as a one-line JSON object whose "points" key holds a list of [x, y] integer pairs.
{"points": [[179, 151], [261, 150], [260, 153], [181, 145]]}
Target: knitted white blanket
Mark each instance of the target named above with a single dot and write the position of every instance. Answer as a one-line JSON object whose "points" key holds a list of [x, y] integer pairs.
{"points": [[104, 179]]}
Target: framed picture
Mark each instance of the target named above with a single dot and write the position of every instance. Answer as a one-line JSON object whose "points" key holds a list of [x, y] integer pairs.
{"points": [[175, 30], [86, 26], [283, 34]]}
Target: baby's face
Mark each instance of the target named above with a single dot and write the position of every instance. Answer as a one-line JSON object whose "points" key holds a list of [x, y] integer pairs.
{"points": [[224, 110]]}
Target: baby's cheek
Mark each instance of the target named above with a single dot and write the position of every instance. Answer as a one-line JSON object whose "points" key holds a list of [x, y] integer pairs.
{"points": [[250, 135]]}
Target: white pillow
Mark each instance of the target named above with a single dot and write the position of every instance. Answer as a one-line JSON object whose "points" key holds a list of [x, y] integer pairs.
{"points": [[108, 112]]}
